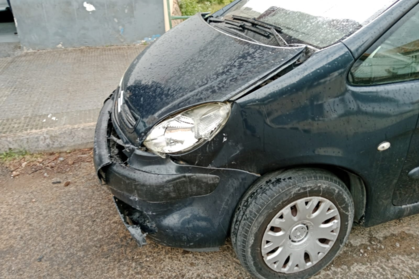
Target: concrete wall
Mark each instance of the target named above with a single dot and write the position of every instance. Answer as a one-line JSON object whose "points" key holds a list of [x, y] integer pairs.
{"points": [[46, 24]]}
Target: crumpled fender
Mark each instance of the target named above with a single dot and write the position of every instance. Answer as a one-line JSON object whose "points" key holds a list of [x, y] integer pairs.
{"points": [[101, 153]]}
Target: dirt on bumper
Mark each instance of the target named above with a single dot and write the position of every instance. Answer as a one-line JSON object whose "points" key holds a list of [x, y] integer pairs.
{"points": [[187, 206]]}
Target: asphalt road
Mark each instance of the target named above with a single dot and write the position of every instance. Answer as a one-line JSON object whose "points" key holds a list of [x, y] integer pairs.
{"points": [[73, 231]]}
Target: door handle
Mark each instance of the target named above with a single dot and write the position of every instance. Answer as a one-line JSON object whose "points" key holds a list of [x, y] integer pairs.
{"points": [[414, 174]]}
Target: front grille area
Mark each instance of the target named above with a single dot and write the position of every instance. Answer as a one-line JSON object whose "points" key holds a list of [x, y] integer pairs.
{"points": [[129, 119], [124, 121], [123, 114]]}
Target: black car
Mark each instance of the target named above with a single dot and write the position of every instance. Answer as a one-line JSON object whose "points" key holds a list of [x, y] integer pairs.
{"points": [[277, 123]]}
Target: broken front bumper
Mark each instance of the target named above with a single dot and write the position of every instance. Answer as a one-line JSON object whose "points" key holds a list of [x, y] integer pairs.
{"points": [[125, 212], [179, 205]]}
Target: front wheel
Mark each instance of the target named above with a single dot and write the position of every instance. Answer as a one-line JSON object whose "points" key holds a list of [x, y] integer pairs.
{"points": [[292, 224]]}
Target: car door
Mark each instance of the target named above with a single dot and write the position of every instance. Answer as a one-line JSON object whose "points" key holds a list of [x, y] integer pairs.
{"points": [[391, 69], [407, 190]]}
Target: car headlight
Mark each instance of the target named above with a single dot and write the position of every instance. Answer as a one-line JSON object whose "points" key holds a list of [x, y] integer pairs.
{"points": [[188, 129]]}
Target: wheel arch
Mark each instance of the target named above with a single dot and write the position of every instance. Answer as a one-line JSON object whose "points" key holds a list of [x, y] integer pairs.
{"points": [[270, 194], [353, 182]]}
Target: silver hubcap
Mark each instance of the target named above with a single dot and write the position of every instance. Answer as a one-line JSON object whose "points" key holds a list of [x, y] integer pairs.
{"points": [[300, 235]]}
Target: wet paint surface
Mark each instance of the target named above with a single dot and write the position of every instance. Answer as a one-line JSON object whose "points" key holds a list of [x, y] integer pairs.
{"points": [[312, 117], [194, 64], [309, 117]]}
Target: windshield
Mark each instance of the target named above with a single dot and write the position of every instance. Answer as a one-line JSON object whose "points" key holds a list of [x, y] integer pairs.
{"points": [[319, 23]]}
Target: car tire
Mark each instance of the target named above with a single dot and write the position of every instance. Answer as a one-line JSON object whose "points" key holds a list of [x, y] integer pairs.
{"points": [[284, 212]]}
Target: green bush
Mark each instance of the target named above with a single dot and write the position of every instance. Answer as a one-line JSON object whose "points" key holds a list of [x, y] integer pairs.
{"points": [[191, 7]]}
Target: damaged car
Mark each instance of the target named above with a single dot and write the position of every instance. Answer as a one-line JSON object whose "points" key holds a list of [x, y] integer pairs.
{"points": [[277, 124]]}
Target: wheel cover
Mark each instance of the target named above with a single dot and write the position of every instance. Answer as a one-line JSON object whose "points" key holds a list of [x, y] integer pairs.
{"points": [[300, 235]]}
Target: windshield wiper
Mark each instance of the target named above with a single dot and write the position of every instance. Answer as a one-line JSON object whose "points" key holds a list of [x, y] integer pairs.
{"points": [[256, 22], [274, 30], [281, 41], [244, 26], [235, 33], [271, 29]]}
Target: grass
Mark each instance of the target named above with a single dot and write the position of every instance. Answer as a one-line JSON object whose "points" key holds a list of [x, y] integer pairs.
{"points": [[191, 7], [12, 155], [16, 155]]}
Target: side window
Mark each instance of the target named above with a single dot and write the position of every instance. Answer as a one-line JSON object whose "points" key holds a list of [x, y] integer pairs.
{"points": [[394, 58]]}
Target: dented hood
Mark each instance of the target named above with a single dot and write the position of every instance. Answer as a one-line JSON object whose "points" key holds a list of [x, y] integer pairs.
{"points": [[193, 64]]}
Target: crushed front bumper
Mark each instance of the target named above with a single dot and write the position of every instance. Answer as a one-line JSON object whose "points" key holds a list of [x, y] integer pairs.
{"points": [[125, 212], [180, 205]]}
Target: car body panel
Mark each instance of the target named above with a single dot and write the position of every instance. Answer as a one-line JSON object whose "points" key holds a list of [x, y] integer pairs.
{"points": [[308, 117], [180, 70], [194, 214], [283, 106], [311, 117], [407, 189]]}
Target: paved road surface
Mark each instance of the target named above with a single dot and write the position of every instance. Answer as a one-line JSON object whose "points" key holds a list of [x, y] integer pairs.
{"points": [[52, 231]]}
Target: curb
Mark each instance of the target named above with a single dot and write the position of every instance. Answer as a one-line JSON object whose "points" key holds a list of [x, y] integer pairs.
{"points": [[50, 140]]}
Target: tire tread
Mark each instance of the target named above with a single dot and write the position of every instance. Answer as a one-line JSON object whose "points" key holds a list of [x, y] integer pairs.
{"points": [[262, 193]]}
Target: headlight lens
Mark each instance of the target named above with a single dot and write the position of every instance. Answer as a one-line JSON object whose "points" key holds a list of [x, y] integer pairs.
{"points": [[188, 129]]}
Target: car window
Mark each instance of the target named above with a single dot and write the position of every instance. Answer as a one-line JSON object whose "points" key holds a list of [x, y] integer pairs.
{"points": [[319, 23], [394, 58]]}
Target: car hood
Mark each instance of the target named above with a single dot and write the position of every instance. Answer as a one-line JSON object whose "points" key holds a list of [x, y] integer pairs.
{"points": [[194, 64]]}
